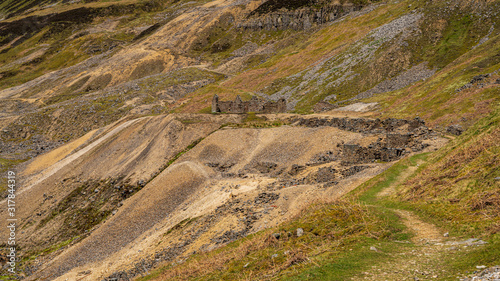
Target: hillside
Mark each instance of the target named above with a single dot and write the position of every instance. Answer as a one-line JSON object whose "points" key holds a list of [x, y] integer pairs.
{"points": [[385, 165]]}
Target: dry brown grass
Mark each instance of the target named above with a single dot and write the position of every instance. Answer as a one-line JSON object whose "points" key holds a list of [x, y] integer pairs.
{"points": [[217, 260], [458, 186], [214, 261], [454, 167], [326, 226], [483, 200]]}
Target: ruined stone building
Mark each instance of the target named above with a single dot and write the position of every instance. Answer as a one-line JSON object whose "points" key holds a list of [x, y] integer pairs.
{"points": [[255, 104]]}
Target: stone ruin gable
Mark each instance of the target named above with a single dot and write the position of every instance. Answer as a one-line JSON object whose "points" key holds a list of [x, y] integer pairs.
{"points": [[253, 105], [274, 107]]}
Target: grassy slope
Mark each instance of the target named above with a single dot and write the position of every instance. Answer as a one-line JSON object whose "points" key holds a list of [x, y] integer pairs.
{"points": [[299, 52], [15, 9], [322, 252], [458, 185], [13, 6], [436, 99], [59, 45], [454, 188], [444, 36]]}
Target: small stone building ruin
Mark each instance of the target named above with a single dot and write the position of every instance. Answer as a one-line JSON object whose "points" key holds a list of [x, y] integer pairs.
{"points": [[255, 104]]}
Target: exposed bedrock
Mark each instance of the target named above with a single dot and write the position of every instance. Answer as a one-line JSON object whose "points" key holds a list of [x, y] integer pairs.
{"points": [[297, 19]]}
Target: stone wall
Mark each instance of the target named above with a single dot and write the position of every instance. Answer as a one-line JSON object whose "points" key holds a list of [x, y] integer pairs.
{"points": [[360, 125], [356, 154], [253, 105], [397, 137]]}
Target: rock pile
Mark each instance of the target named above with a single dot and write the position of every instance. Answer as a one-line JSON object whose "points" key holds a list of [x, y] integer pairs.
{"points": [[492, 273]]}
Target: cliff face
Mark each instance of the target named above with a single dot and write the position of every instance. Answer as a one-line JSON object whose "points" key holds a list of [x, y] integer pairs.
{"points": [[302, 18]]}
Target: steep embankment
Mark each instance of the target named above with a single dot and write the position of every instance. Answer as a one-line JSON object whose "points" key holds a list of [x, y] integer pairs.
{"points": [[460, 185], [66, 199]]}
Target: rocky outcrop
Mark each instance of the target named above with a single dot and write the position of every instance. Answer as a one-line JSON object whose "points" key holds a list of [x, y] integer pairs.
{"points": [[476, 80], [455, 129], [298, 19], [253, 105], [391, 148]]}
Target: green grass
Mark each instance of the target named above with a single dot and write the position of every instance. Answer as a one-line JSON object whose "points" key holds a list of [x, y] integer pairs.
{"points": [[433, 204], [436, 99], [350, 262], [177, 156], [322, 254], [335, 245], [457, 184], [367, 192], [251, 120], [258, 124], [5, 166], [338, 235], [445, 37], [33, 255], [486, 255], [206, 110]]}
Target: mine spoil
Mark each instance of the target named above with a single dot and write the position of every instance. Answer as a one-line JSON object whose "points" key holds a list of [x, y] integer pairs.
{"points": [[389, 146], [247, 211], [248, 185], [200, 184]]}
